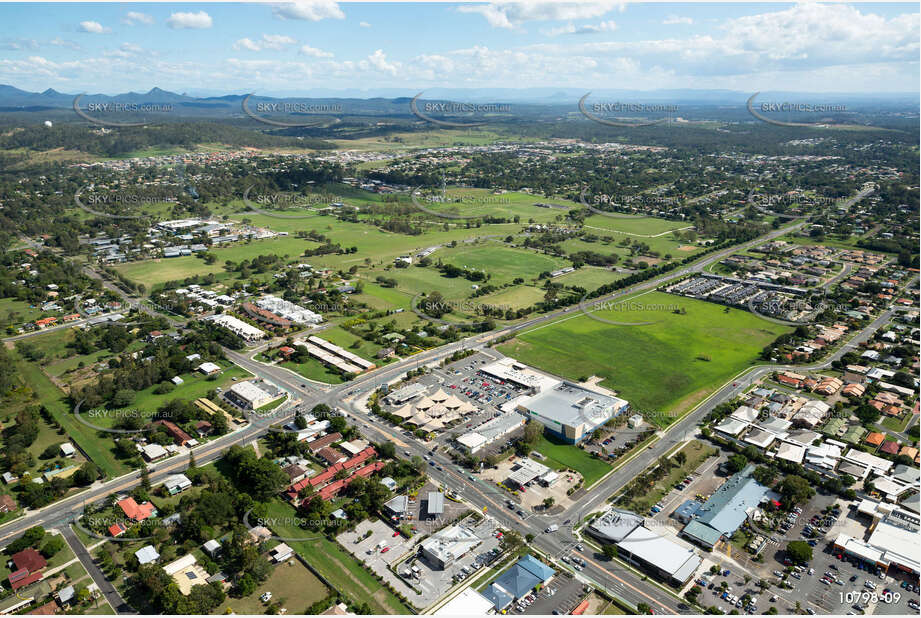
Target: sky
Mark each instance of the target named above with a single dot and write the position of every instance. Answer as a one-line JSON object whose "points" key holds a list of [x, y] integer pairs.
{"points": [[293, 49]]}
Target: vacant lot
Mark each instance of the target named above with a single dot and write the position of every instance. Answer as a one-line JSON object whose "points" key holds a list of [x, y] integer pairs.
{"points": [[292, 585], [695, 453], [99, 447], [337, 566], [668, 365]]}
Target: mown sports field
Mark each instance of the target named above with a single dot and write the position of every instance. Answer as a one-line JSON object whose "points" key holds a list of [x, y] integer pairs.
{"points": [[668, 365]]}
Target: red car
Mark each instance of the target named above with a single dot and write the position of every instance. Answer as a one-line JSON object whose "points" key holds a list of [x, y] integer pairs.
{"points": [[385, 550], [396, 534]]}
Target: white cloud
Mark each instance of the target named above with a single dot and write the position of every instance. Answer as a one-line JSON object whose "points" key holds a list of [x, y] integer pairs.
{"points": [[605, 26], [309, 10], [364, 24], [246, 44], [675, 19], [276, 42], [511, 15], [18, 44], [190, 21], [128, 50], [59, 42], [93, 27], [132, 18], [313, 52], [378, 60]]}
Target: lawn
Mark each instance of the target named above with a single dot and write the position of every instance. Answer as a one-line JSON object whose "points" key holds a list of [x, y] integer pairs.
{"points": [[516, 297], [503, 264], [314, 370], [897, 424], [589, 277], [17, 312], [292, 585], [666, 366], [338, 567], [643, 226], [561, 455]]}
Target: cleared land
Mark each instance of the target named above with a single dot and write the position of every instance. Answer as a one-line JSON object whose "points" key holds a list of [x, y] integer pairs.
{"points": [[696, 452], [337, 566], [292, 585], [668, 365]]}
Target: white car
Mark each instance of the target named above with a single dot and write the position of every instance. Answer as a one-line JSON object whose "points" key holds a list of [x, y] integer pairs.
{"points": [[266, 596]]}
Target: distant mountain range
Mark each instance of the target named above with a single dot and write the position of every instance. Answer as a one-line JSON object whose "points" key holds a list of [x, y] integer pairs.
{"points": [[12, 98]]}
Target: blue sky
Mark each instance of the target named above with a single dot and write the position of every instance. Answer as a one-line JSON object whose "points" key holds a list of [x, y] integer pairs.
{"points": [[274, 48]]}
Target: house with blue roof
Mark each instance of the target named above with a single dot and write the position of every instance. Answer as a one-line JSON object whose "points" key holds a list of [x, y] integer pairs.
{"points": [[726, 510], [517, 581]]}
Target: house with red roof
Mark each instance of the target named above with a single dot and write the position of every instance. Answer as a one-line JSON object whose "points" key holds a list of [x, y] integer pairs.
{"points": [[175, 432], [22, 578], [321, 480], [890, 447], [29, 564], [30, 560], [134, 511], [326, 440]]}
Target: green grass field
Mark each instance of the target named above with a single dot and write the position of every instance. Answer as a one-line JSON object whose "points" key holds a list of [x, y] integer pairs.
{"points": [[589, 277], [516, 297], [645, 226], [195, 385], [666, 366], [292, 585], [17, 312], [897, 424], [97, 445], [502, 263], [560, 456], [338, 567]]}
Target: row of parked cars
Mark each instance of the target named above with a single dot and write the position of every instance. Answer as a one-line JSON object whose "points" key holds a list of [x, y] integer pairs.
{"points": [[483, 559]]}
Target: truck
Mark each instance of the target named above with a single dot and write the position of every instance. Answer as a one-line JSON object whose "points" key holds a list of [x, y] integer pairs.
{"points": [[552, 528]]}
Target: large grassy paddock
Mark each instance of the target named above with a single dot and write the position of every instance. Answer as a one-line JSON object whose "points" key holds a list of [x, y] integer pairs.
{"points": [[668, 365]]}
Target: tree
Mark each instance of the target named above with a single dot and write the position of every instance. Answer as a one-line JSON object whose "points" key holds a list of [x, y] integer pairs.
{"points": [[642, 608], [736, 463], [795, 489], [609, 551], [681, 458], [145, 478], [532, 432], [799, 551], [87, 474], [53, 546], [548, 502], [29, 538]]}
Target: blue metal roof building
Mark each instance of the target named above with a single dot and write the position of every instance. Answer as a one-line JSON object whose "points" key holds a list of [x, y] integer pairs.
{"points": [[517, 581], [687, 511], [726, 509]]}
